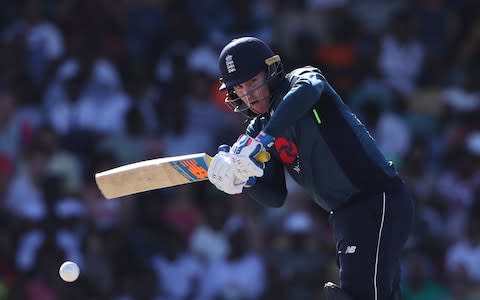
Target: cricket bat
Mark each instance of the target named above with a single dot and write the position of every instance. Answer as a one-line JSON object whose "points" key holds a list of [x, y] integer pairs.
{"points": [[157, 174]]}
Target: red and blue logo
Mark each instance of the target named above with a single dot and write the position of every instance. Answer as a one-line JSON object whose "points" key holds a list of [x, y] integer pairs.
{"points": [[287, 150]]}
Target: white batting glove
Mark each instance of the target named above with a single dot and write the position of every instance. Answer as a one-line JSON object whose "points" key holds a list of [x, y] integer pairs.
{"points": [[243, 159], [222, 175]]}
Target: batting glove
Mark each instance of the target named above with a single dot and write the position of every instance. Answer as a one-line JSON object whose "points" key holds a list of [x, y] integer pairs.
{"points": [[221, 174], [266, 139], [244, 163], [251, 180]]}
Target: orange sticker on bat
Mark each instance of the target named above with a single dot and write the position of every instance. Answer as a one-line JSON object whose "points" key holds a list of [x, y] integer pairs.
{"points": [[195, 169]]}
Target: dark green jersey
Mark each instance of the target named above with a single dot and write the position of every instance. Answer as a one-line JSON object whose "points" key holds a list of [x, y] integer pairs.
{"points": [[320, 142]]}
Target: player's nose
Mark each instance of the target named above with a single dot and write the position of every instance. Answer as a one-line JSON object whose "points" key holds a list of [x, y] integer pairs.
{"points": [[248, 97]]}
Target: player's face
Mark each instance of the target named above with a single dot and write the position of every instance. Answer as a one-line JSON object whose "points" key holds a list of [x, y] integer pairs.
{"points": [[255, 93]]}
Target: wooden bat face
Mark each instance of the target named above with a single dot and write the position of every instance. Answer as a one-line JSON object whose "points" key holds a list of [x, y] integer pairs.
{"points": [[153, 174]]}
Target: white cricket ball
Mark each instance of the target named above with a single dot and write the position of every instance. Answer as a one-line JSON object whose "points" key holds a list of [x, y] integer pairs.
{"points": [[69, 271]]}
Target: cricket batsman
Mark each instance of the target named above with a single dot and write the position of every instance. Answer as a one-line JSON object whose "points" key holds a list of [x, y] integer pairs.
{"points": [[308, 130]]}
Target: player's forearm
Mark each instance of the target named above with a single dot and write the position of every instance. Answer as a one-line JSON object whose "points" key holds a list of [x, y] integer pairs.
{"points": [[295, 104]]}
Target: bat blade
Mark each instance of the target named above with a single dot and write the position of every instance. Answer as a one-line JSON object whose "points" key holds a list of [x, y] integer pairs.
{"points": [[153, 174], [157, 173]]}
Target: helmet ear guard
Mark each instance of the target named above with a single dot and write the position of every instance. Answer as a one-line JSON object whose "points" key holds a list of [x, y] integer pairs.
{"points": [[274, 66], [274, 72]]}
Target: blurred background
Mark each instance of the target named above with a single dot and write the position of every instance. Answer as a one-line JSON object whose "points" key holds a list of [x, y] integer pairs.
{"points": [[86, 85]]}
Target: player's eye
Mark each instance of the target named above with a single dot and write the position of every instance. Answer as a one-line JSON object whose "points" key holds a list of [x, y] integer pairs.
{"points": [[255, 82]]}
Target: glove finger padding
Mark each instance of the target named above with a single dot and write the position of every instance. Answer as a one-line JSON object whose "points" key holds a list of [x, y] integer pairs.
{"points": [[221, 174], [244, 162], [245, 168], [213, 168]]}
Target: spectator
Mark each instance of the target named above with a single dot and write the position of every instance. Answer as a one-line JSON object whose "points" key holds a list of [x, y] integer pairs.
{"points": [[457, 184], [296, 266], [240, 274], [25, 198], [15, 133], [43, 40], [208, 240], [178, 270], [401, 54], [464, 254], [421, 282]]}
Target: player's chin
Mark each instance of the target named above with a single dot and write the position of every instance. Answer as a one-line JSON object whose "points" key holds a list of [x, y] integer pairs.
{"points": [[260, 107]]}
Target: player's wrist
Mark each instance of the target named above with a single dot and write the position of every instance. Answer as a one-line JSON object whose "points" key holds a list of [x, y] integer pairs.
{"points": [[265, 139]]}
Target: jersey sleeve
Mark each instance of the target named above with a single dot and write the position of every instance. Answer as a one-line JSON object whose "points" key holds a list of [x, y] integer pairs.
{"points": [[270, 189], [307, 84]]}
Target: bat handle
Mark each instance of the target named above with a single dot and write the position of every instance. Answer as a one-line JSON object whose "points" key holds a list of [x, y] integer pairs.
{"points": [[263, 156]]}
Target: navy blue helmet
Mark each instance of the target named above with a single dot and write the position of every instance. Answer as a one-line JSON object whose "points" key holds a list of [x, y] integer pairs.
{"points": [[242, 59]]}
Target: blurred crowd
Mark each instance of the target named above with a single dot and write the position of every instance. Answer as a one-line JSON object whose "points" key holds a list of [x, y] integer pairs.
{"points": [[90, 85]]}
